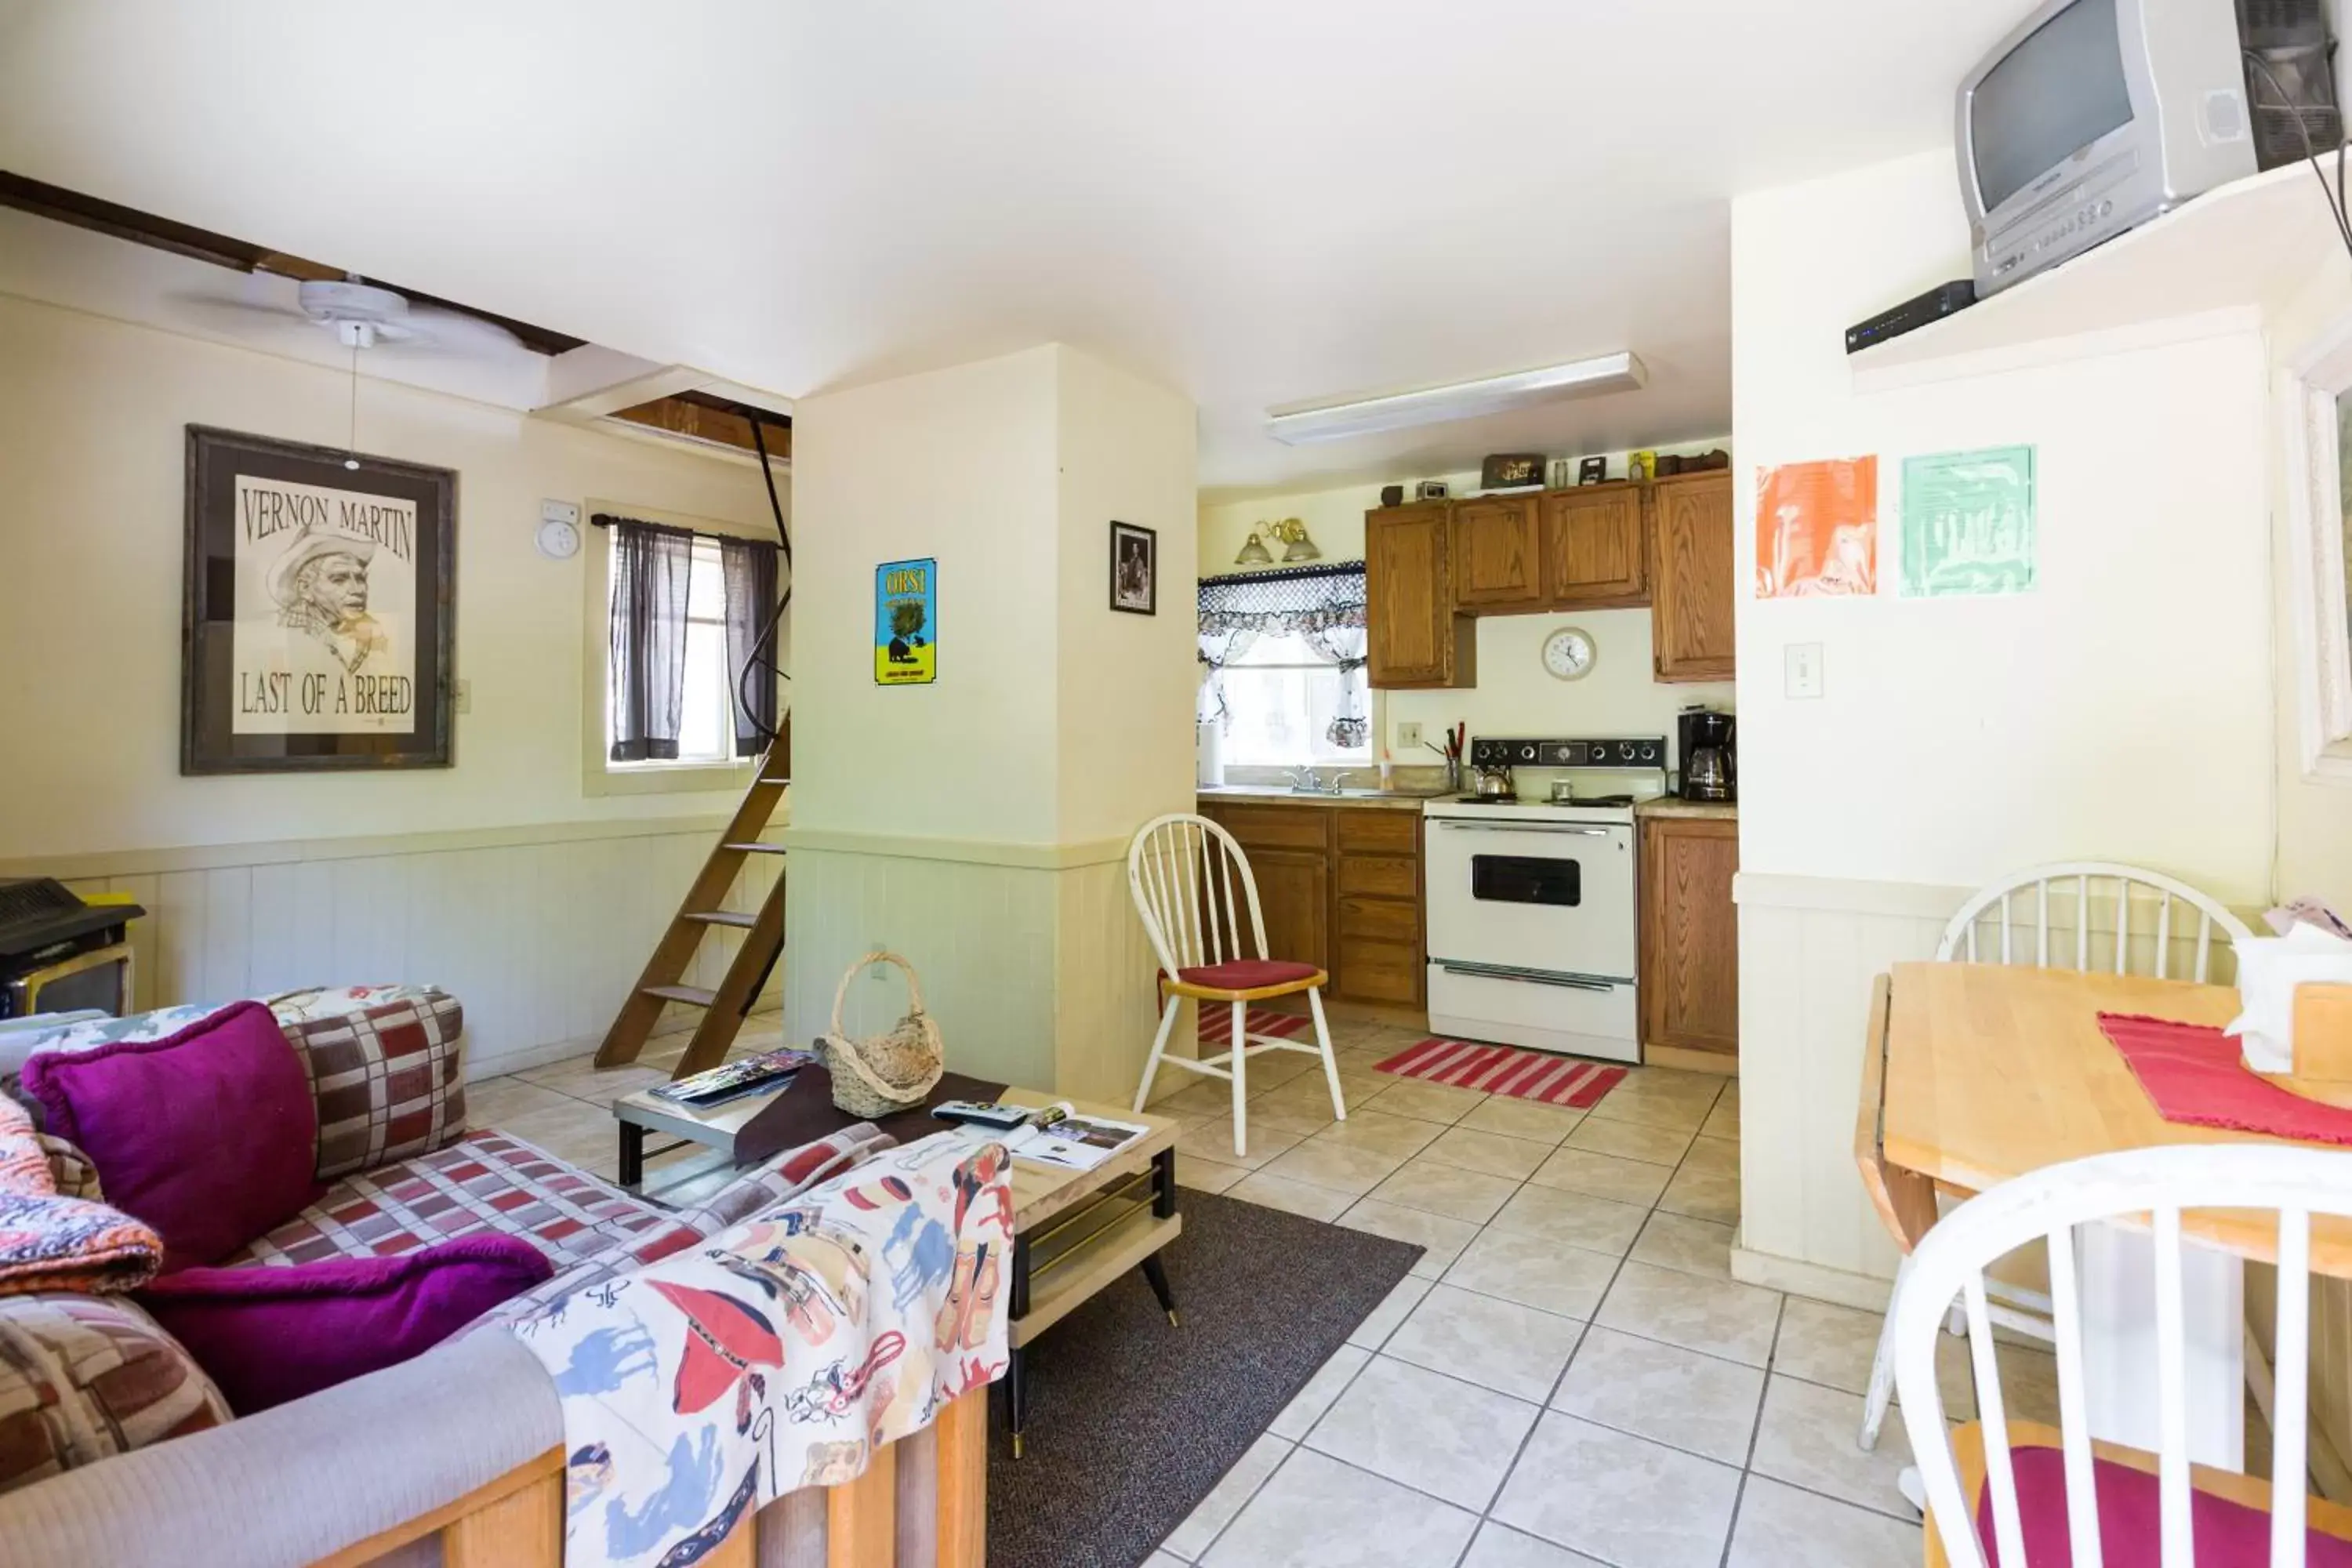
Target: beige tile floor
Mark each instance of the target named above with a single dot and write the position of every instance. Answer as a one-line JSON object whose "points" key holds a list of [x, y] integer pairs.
{"points": [[1569, 1377]]}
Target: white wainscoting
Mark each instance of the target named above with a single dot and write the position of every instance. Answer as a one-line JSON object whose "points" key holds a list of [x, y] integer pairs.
{"points": [[538, 932], [1808, 948], [1031, 958]]}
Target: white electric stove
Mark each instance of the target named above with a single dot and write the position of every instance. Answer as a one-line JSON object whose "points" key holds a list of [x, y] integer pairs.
{"points": [[1532, 920]]}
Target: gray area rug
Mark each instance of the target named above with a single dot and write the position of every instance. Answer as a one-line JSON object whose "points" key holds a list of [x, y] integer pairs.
{"points": [[1131, 1421]]}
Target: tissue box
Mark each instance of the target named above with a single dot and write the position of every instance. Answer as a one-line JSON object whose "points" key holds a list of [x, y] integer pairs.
{"points": [[2281, 1031]]}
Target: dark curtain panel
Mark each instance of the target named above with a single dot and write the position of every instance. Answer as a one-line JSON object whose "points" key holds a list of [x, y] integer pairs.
{"points": [[750, 568], [651, 568]]}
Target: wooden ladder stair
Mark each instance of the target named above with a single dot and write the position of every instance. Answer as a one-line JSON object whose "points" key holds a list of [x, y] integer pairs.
{"points": [[663, 979]]}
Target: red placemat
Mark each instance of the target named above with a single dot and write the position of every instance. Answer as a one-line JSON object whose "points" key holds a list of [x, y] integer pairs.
{"points": [[2193, 1074]]}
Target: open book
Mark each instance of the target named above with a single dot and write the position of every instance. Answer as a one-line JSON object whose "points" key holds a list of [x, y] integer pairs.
{"points": [[1052, 1134]]}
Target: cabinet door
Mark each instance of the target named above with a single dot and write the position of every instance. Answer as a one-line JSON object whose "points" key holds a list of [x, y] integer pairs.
{"points": [[1294, 895], [1498, 554], [1414, 638], [1691, 631], [1690, 934], [1593, 547]]}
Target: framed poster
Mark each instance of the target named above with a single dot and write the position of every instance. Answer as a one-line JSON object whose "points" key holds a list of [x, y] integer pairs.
{"points": [[316, 623], [1967, 524], [1134, 569], [905, 623]]}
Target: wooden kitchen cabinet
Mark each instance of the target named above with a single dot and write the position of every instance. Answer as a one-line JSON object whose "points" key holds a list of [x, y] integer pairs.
{"points": [[1691, 576], [1498, 554], [1340, 887], [1414, 638], [1594, 554], [1690, 934]]}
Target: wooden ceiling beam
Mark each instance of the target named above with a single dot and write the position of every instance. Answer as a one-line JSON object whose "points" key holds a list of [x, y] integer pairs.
{"points": [[701, 418]]}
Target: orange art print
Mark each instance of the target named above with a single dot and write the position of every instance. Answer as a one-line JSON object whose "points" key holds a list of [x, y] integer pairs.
{"points": [[1817, 529]]}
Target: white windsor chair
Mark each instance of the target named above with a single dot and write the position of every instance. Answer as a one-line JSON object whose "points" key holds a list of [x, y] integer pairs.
{"points": [[2019, 1464], [1192, 885]]}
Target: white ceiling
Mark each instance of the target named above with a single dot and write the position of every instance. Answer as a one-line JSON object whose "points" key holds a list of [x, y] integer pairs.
{"points": [[1259, 202]]}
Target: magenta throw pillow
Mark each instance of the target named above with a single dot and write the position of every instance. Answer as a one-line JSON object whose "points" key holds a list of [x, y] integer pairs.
{"points": [[267, 1335], [209, 1135]]}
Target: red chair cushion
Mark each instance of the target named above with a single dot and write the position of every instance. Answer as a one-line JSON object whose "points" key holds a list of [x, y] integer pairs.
{"points": [[1247, 974], [2228, 1534]]}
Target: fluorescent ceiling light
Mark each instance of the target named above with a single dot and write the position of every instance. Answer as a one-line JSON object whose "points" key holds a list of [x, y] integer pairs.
{"points": [[1461, 400]]}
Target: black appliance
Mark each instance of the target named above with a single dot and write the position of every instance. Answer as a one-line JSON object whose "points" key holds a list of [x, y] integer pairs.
{"points": [[1708, 750], [58, 954], [1935, 304]]}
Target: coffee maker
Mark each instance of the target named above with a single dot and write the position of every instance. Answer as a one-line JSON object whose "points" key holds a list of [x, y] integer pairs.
{"points": [[1708, 750]]}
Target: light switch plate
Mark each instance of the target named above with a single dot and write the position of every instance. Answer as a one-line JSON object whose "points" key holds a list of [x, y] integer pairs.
{"points": [[1804, 669], [1408, 736]]}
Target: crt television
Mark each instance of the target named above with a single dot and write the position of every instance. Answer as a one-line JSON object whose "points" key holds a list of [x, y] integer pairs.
{"points": [[2093, 116]]}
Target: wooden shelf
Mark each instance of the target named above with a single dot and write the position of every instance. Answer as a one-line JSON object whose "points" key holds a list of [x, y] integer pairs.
{"points": [[2244, 249]]}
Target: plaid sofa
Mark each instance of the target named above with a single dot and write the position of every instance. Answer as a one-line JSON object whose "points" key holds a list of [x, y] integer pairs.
{"points": [[403, 1170]]}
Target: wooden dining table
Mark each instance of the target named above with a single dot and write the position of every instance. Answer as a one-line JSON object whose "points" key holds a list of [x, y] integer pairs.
{"points": [[1975, 1074]]}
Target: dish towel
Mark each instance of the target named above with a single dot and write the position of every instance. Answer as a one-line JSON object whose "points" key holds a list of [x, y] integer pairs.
{"points": [[778, 1355], [2193, 1073], [53, 1243]]}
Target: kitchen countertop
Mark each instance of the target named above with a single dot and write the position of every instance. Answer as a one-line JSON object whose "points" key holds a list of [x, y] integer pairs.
{"points": [[1283, 794], [1675, 805]]}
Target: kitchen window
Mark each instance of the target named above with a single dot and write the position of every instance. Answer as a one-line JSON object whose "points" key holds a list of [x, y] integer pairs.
{"points": [[1284, 670]]}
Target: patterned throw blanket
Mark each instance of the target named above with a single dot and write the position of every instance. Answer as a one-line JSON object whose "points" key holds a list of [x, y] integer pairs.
{"points": [[778, 1355], [49, 1242]]}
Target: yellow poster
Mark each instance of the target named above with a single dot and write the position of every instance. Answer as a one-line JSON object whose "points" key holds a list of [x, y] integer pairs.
{"points": [[905, 623]]}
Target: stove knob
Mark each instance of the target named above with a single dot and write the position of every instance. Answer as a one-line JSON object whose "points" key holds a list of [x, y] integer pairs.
{"points": [[1625, 750], [1527, 753], [1649, 751]]}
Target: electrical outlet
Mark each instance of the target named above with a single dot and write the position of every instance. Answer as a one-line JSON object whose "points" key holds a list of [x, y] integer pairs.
{"points": [[1803, 672], [1408, 736], [463, 699]]}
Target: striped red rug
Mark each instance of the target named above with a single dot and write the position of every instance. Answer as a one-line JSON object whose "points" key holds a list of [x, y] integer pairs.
{"points": [[1507, 1070], [1217, 1023]]}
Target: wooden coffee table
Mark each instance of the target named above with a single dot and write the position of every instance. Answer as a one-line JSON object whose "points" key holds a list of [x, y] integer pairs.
{"points": [[1074, 1232]]}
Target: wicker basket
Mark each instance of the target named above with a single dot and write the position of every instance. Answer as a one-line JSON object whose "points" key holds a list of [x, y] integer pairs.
{"points": [[887, 1073]]}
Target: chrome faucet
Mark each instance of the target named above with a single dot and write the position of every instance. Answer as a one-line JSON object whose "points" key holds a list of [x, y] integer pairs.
{"points": [[1305, 782]]}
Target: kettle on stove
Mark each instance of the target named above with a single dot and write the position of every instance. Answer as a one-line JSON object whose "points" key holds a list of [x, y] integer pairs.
{"points": [[1494, 784]]}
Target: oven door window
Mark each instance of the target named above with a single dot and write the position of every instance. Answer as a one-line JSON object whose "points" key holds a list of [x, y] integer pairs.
{"points": [[1526, 880]]}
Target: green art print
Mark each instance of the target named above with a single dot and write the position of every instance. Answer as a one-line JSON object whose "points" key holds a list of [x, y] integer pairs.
{"points": [[1969, 523]]}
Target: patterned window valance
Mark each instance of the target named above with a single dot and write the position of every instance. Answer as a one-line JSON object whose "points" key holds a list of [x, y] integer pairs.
{"points": [[1287, 600], [1323, 605]]}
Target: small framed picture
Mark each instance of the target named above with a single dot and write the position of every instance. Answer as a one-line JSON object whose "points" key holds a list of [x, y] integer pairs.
{"points": [[1134, 569], [1592, 471]]}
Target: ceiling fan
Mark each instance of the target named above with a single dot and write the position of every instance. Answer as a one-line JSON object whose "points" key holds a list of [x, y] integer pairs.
{"points": [[363, 315]]}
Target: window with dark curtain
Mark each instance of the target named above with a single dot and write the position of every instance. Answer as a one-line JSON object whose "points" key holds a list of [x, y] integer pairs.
{"points": [[750, 569], [652, 570]]}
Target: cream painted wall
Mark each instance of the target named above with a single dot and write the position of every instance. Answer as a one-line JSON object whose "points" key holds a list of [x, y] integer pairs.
{"points": [[2120, 712], [1514, 695], [1125, 682], [2123, 711], [91, 446], [958, 464]]}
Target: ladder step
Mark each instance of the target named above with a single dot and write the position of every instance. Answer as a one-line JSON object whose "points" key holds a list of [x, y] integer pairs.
{"points": [[694, 995], [754, 847], [722, 918], [776, 781]]}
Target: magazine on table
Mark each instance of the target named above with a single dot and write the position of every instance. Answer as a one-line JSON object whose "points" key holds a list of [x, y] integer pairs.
{"points": [[733, 1080], [1052, 1134]]}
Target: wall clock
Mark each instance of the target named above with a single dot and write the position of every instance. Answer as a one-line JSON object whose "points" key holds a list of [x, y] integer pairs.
{"points": [[1568, 654]]}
